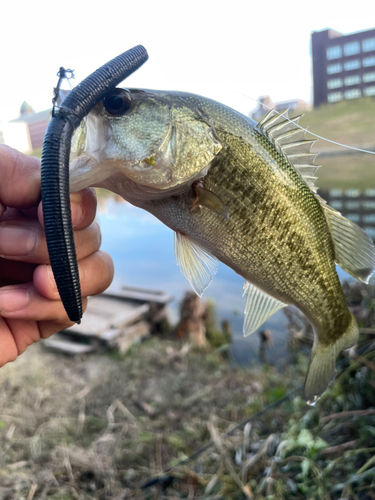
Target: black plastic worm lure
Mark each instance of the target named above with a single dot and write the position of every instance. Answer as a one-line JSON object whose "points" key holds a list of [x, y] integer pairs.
{"points": [[55, 171]]}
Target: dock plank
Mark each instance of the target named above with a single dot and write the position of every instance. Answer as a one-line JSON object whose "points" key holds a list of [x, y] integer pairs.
{"points": [[119, 317], [140, 294], [67, 346], [104, 313], [132, 335]]}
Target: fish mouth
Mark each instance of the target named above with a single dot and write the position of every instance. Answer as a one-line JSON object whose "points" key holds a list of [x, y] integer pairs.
{"points": [[87, 171], [134, 181]]}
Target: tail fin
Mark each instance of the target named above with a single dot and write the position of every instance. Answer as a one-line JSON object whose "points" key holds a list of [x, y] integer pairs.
{"points": [[321, 370]]}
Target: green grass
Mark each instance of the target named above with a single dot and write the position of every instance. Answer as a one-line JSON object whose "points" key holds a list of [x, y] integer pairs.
{"points": [[346, 172], [351, 123], [347, 122]]}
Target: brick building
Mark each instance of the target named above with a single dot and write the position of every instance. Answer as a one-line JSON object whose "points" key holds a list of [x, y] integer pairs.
{"points": [[343, 65]]}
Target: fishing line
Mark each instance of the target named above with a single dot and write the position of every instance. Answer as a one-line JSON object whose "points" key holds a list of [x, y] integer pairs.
{"points": [[302, 128], [290, 120], [340, 366]]}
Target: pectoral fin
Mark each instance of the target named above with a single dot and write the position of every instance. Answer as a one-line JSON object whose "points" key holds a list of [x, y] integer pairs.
{"points": [[258, 308], [196, 264], [209, 200]]}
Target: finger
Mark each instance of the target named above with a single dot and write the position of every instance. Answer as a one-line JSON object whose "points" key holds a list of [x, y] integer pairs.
{"points": [[17, 335], [25, 241], [48, 328], [83, 208], [26, 303], [20, 178], [95, 273], [8, 347]]}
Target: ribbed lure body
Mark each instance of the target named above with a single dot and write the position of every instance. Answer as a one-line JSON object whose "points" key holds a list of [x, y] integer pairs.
{"points": [[55, 171]]}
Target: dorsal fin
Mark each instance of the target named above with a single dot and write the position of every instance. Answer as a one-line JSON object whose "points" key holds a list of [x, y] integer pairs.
{"points": [[290, 141]]}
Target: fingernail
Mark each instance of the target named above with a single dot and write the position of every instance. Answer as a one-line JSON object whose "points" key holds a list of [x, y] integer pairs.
{"points": [[14, 299], [77, 213], [16, 240]]}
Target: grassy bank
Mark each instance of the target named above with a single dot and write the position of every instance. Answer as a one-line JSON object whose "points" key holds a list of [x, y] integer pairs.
{"points": [[99, 427], [348, 122], [351, 123]]}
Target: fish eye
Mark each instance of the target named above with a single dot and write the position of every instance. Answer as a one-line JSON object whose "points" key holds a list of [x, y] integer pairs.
{"points": [[117, 102]]}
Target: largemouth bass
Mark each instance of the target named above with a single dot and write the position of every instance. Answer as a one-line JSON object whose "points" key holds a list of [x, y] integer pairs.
{"points": [[235, 191]]}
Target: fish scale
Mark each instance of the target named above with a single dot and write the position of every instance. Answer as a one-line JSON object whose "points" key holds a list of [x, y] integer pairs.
{"points": [[240, 193], [252, 251]]}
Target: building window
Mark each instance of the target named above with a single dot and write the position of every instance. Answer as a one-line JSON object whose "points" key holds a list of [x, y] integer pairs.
{"points": [[368, 44], [368, 61], [334, 83], [352, 205], [352, 80], [335, 96], [352, 193], [352, 94], [369, 218], [353, 217], [334, 68], [369, 77], [336, 204], [369, 91], [336, 193], [368, 205], [370, 193], [353, 64], [352, 48], [334, 52]]}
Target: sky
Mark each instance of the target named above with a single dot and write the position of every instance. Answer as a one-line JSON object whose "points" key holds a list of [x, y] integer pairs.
{"points": [[215, 48]]}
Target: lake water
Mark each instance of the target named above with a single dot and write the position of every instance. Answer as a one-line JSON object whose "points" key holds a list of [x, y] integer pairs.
{"points": [[142, 250]]}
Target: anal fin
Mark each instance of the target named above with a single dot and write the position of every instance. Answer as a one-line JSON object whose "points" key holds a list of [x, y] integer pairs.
{"points": [[258, 308], [196, 264]]}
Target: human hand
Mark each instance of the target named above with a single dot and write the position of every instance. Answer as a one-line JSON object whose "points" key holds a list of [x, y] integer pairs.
{"points": [[30, 306]]}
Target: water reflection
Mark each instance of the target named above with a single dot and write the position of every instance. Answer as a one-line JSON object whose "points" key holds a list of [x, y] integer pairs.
{"points": [[358, 206]]}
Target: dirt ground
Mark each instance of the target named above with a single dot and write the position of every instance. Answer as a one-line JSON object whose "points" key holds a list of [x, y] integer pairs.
{"points": [[101, 426], [89, 427]]}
